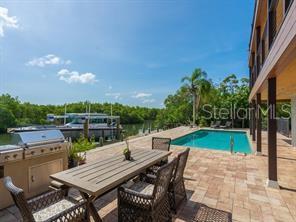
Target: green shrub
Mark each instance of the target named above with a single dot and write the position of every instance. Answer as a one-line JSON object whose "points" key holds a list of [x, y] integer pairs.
{"points": [[7, 119], [83, 144], [203, 122]]}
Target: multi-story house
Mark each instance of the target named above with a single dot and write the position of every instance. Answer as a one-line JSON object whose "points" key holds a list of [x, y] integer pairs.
{"points": [[272, 62]]}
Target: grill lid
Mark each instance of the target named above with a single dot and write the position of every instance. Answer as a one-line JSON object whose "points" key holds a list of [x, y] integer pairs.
{"points": [[37, 137]]}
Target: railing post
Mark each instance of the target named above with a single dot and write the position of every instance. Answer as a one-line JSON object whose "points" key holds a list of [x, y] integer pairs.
{"points": [[293, 120]]}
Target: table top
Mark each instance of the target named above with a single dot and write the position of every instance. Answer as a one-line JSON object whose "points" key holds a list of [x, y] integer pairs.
{"points": [[104, 174]]}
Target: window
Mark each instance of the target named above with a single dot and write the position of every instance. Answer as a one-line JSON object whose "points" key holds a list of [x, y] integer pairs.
{"points": [[1, 171], [272, 26], [287, 5], [263, 52], [258, 36], [258, 66]]}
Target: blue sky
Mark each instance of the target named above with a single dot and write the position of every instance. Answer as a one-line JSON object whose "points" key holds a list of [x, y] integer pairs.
{"points": [[132, 52]]}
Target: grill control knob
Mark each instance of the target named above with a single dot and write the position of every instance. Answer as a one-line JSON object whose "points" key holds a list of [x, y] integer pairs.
{"points": [[32, 152], [55, 148], [15, 155], [6, 157], [51, 149], [42, 150]]}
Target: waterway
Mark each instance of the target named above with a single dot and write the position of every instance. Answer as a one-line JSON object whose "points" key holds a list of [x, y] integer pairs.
{"points": [[129, 129]]}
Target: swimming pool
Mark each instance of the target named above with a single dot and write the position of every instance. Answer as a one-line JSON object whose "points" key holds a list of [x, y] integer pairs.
{"points": [[216, 140]]}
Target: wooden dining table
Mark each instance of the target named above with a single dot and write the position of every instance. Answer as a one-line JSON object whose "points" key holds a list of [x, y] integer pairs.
{"points": [[101, 176]]}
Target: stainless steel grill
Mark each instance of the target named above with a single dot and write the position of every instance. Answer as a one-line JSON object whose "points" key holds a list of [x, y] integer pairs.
{"points": [[29, 139], [31, 159], [31, 144]]}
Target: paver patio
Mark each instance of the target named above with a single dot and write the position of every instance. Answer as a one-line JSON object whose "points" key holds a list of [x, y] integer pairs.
{"points": [[234, 183]]}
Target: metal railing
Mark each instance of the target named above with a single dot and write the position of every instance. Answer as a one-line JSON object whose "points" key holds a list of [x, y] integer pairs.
{"points": [[283, 126]]}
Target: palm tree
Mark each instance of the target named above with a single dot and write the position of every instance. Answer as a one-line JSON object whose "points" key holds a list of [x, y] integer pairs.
{"points": [[197, 86]]}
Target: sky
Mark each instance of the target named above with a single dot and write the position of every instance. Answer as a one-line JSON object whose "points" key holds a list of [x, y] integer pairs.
{"points": [[131, 52]]}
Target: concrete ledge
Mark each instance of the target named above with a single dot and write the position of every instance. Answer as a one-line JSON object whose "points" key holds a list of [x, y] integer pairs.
{"points": [[272, 184], [258, 153]]}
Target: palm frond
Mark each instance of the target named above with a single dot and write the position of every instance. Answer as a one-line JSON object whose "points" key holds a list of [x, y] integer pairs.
{"points": [[198, 74], [186, 78]]}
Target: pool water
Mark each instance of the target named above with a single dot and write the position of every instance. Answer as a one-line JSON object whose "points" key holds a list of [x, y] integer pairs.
{"points": [[216, 140]]}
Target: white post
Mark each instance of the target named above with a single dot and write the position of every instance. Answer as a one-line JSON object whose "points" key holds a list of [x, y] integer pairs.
{"points": [[293, 120], [88, 119], [111, 122], [65, 118]]}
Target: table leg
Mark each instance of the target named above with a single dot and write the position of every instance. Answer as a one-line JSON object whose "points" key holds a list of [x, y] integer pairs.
{"points": [[91, 209]]}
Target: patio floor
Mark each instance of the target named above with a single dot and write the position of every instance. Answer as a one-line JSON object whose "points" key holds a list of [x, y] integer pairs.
{"points": [[234, 183]]}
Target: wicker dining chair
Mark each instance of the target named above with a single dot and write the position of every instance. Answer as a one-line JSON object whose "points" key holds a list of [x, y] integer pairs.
{"points": [[163, 144], [177, 191], [159, 143], [53, 206], [146, 202], [205, 214]]}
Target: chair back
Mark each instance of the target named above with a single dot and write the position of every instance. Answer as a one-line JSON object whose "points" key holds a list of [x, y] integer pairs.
{"points": [[19, 199], [163, 178], [181, 164], [161, 143]]}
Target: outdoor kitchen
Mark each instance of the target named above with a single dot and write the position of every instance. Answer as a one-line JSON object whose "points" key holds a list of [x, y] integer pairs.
{"points": [[30, 160]]}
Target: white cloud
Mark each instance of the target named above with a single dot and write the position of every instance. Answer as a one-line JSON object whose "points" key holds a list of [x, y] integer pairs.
{"points": [[68, 62], [148, 100], [6, 21], [49, 59], [76, 77], [114, 95], [142, 95]]}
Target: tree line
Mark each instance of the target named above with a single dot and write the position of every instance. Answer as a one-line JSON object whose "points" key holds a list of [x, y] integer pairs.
{"points": [[198, 98], [14, 113]]}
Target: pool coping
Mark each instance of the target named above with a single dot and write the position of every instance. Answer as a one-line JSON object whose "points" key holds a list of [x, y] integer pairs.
{"points": [[246, 131]]}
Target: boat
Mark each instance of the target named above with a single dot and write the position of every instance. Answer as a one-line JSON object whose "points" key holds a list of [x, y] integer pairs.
{"points": [[72, 125]]}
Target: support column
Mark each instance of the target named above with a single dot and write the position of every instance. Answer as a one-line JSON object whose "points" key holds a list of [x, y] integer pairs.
{"points": [[293, 120], [253, 120], [258, 124], [272, 140]]}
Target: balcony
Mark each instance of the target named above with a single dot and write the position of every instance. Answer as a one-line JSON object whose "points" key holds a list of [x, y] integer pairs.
{"points": [[277, 11]]}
